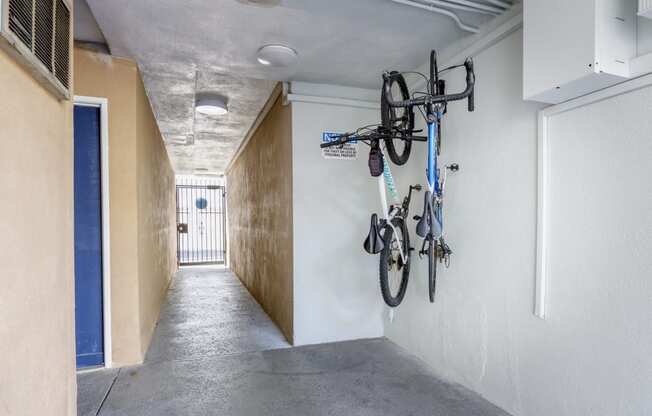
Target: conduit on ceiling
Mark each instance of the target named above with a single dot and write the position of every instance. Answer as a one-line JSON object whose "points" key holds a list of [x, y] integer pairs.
{"points": [[447, 7]]}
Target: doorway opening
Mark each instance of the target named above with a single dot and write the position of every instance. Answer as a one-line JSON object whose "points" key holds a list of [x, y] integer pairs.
{"points": [[201, 220], [91, 233]]}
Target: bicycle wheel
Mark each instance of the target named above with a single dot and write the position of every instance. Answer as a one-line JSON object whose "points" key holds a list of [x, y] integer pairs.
{"points": [[398, 121], [432, 270], [393, 272]]}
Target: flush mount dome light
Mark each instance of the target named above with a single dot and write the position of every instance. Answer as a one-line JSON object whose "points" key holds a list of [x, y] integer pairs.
{"points": [[211, 104], [277, 55]]}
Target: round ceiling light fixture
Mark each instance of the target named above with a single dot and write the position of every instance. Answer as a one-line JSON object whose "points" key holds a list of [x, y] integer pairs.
{"points": [[211, 104], [277, 55]]}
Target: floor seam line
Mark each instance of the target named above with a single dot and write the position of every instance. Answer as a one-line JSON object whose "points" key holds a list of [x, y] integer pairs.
{"points": [[108, 391]]}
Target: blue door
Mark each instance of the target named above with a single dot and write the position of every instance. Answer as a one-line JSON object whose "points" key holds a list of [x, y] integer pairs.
{"points": [[88, 238]]}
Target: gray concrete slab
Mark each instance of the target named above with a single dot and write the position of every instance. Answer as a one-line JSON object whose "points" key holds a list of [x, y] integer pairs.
{"points": [[209, 312], [367, 377], [216, 353], [92, 387]]}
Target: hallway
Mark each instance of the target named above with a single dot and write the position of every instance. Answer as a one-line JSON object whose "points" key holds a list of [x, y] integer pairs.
{"points": [[215, 352]]}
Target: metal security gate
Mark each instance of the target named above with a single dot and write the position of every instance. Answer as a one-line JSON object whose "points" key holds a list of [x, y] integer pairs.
{"points": [[201, 224]]}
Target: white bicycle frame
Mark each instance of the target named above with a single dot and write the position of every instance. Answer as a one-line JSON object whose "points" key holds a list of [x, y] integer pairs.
{"points": [[386, 180]]}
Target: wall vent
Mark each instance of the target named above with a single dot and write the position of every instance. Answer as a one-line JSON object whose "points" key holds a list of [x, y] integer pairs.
{"points": [[37, 33], [645, 8]]}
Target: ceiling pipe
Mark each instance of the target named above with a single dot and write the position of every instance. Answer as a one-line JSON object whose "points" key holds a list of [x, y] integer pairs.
{"points": [[438, 10], [501, 3], [449, 5], [472, 6]]}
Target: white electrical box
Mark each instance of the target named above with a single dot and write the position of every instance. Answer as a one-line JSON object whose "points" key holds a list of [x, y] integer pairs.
{"points": [[574, 47], [645, 8]]}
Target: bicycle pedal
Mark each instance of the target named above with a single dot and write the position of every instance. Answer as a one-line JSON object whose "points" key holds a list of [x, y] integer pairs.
{"points": [[453, 167]]}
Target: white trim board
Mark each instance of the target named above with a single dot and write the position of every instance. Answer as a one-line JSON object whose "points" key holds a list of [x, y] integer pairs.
{"points": [[543, 169], [103, 105], [343, 102]]}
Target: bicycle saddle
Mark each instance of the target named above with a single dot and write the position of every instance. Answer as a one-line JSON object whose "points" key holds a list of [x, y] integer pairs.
{"points": [[374, 243], [423, 226]]}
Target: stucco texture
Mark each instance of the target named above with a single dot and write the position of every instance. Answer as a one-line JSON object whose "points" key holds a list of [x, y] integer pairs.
{"points": [[142, 203], [37, 343], [259, 202]]}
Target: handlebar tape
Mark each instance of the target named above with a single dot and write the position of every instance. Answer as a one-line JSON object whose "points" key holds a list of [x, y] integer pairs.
{"points": [[471, 103], [469, 69], [330, 144], [341, 140]]}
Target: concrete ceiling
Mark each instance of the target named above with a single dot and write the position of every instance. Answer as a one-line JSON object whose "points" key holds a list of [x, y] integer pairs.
{"points": [[191, 46], [86, 27]]}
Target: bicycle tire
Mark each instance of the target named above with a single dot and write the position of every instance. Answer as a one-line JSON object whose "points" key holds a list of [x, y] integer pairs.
{"points": [[390, 122], [391, 300], [432, 270]]}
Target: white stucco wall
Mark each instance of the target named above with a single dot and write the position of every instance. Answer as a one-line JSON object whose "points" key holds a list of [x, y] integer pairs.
{"points": [[336, 292], [591, 356]]}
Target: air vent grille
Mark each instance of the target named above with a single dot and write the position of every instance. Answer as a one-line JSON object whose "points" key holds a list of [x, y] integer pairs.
{"points": [[20, 20], [44, 31], [62, 44], [43, 28]]}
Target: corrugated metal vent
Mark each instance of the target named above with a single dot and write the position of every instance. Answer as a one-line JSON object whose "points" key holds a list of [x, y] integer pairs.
{"points": [[20, 20], [43, 29], [62, 44]]}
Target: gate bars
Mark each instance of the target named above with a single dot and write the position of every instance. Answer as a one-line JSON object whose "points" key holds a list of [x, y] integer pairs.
{"points": [[201, 222]]}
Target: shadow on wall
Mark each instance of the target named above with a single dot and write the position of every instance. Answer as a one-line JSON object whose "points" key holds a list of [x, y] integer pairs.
{"points": [[260, 215]]}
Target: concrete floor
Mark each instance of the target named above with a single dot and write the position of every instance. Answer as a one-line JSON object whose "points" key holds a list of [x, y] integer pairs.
{"points": [[215, 352]]}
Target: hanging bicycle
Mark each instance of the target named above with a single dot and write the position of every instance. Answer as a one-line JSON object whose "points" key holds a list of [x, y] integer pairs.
{"points": [[430, 224], [388, 236]]}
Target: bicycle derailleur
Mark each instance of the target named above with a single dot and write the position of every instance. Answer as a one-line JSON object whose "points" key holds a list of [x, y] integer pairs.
{"points": [[443, 251]]}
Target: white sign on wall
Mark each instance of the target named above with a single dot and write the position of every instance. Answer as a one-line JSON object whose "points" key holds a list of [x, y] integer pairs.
{"points": [[349, 151]]}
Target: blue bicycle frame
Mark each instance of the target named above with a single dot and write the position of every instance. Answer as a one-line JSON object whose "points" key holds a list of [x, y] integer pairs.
{"points": [[433, 173]]}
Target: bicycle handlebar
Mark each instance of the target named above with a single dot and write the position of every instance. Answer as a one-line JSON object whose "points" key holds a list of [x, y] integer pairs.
{"points": [[433, 99], [342, 139], [351, 137]]}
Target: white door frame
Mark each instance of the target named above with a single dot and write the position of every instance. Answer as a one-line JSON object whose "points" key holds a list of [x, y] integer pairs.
{"points": [[103, 105]]}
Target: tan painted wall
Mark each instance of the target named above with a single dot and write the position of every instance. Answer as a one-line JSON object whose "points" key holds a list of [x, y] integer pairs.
{"points": [[156, 218], [37, 344], [98, 75], [141, 189], [259, 198]]}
